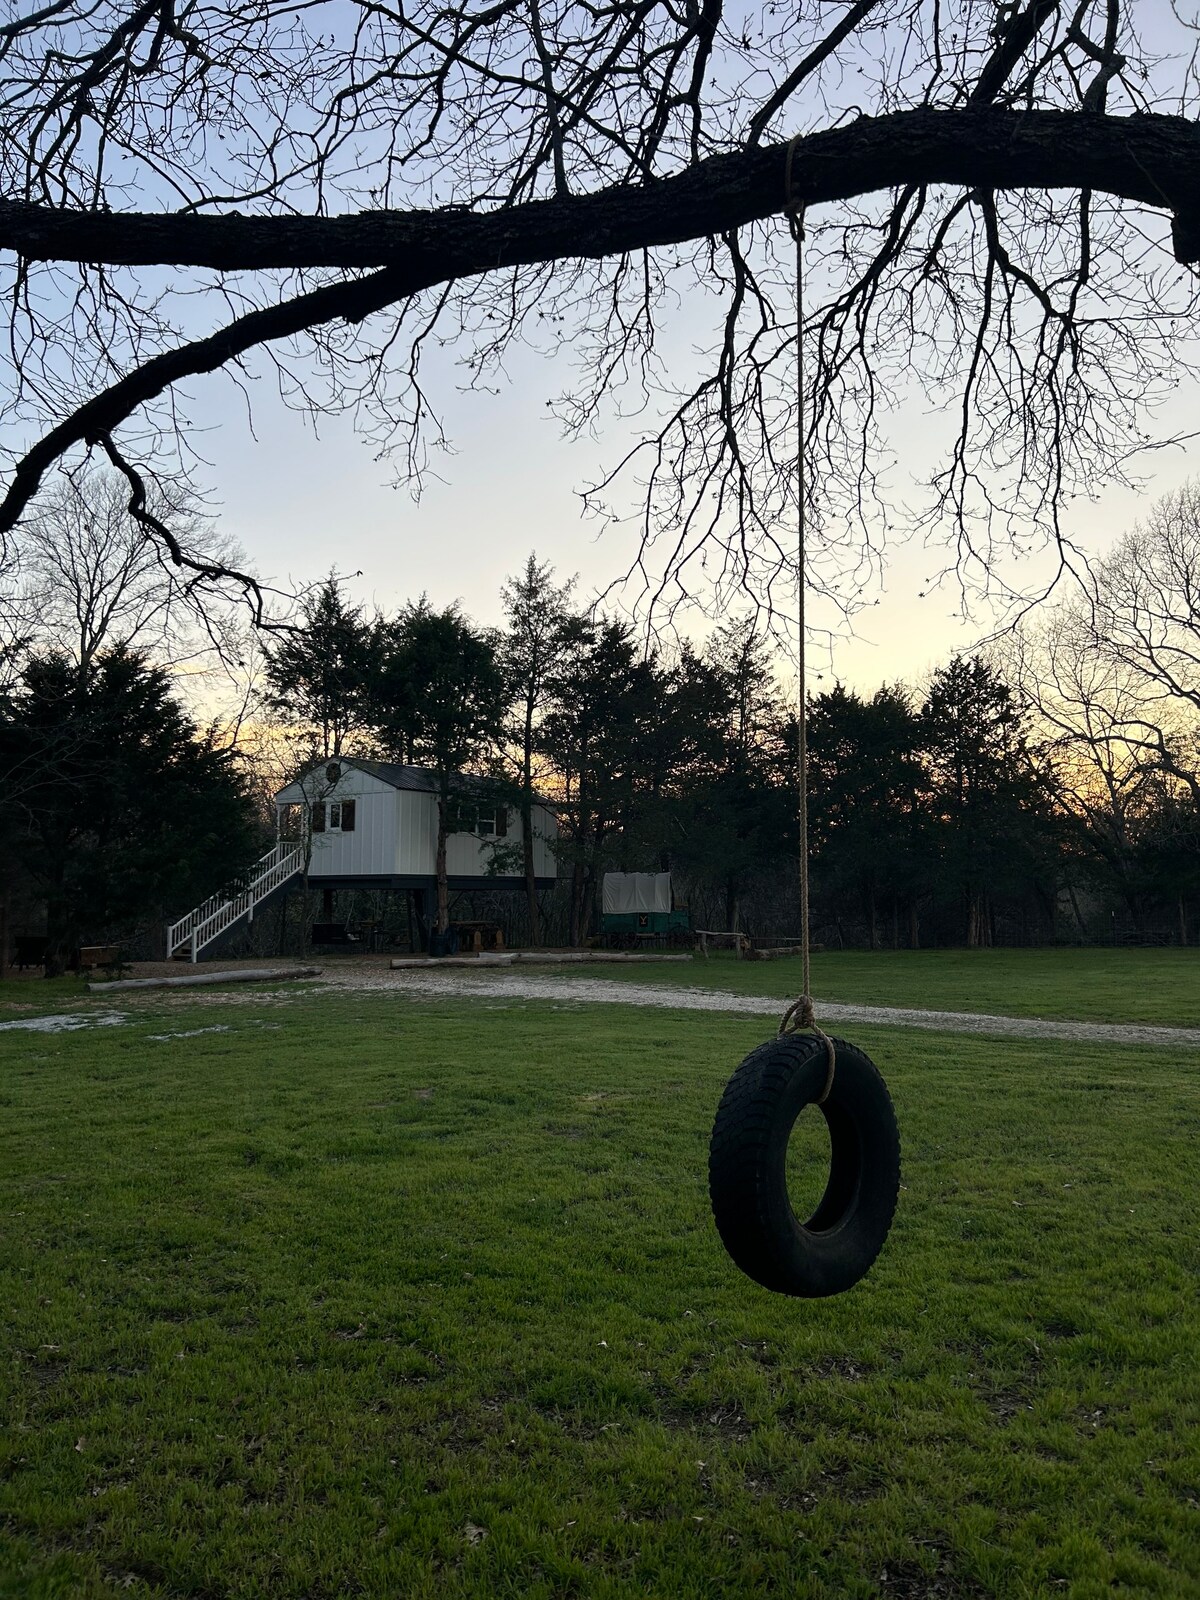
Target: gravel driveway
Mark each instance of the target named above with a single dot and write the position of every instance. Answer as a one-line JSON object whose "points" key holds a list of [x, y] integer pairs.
{"points": [[510, 985]]}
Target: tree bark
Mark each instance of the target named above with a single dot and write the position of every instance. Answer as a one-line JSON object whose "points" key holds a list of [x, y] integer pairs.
{"points": [[443, 885], [1153, 160], [531, 899], [531, 893], [576, 905], [732, 906]]}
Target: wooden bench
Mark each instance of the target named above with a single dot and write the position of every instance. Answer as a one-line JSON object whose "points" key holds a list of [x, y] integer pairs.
{"points": [[739, 941], [478, 936], [98, 955]]}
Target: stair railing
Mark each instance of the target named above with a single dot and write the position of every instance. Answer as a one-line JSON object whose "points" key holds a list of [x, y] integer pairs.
{"points": [[220, 911]]}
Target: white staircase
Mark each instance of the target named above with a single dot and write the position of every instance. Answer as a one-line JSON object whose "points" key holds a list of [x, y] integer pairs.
{"points": [[200, 927]]}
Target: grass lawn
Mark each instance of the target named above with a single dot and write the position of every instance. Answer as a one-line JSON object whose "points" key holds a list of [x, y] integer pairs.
{"points": [[1100, 985], [47, 994], [368, 1298]]}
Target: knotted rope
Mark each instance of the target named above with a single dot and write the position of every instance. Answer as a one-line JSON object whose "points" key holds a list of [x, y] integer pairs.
{"points": [[799, 1016]]}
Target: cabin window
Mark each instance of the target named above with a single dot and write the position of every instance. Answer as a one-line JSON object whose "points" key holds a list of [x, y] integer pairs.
{"points": [[341, 816], [485, 821], [318, 816], [460, 816], [291, 821]]}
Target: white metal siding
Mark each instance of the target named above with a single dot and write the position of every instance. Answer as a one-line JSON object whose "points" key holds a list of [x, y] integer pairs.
{"points": [[417, 848], [466, 856], [395, 831], [370, 850], [545, 836]]}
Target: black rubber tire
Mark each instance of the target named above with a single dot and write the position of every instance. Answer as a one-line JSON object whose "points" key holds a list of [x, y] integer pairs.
{"points": [[831, 1250]]}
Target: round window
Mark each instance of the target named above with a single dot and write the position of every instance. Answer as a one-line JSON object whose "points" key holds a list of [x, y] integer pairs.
{"points": [[333, 771]]}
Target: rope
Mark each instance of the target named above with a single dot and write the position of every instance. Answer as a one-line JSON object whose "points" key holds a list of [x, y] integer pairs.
{"points": [[799, 1016]]}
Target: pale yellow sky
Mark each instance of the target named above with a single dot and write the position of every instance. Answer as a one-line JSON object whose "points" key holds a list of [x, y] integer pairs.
{"points": [[301, 505]]}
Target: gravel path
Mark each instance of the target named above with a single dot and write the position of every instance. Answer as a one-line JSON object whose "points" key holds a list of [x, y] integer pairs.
{"points": [[510, 985]]}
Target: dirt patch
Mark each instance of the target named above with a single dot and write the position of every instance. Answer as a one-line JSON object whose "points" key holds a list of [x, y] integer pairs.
{"points": [[607, 991]]}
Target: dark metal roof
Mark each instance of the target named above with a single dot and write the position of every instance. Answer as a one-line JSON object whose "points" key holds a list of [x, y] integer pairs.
{"points": [[398, 775], [423, 779]]}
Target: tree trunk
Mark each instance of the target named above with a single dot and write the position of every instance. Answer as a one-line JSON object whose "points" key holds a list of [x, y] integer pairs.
{"points": [[872, 921], [576, 904], [59, 944], [1075, 909], [589, 904], [3, 936], [443, 886], [976, 921], [531, 894], [914, 926], [732, 906], [1183, 928]]}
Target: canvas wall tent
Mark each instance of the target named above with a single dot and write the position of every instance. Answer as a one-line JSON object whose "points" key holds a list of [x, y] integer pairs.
{"points": [[637, 905], [625, 892]]}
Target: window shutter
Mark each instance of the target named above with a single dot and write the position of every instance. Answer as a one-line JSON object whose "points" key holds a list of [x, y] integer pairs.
{"points": [[348, 816], [318, 816], [502, 822]]}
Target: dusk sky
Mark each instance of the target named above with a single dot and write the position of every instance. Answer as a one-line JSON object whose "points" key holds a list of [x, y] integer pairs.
{"points": [[301, 504]]}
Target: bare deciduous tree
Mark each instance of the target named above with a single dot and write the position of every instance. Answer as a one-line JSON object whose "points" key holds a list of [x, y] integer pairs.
{"points": [[1003, 211], [95, 580], [1144, 606]]}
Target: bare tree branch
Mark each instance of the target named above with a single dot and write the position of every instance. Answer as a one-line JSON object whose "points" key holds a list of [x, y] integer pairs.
{"points": [[1151, 160]]}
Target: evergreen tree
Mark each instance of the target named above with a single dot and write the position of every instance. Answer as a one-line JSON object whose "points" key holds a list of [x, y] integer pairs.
{"points": [[602, 700], [867, 808], [992, 816], [538, 635], [440, 702], [321, 678], [124, 807]]}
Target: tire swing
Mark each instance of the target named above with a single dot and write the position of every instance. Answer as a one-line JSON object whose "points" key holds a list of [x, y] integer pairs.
{"points": [[829, 1250]]}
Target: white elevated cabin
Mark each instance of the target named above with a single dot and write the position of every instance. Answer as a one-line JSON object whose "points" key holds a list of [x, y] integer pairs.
{"points": [[375, 824]]}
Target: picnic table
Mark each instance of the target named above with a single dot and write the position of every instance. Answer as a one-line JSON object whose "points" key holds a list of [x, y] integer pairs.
{"points": [[479, 935], [739, 941]]}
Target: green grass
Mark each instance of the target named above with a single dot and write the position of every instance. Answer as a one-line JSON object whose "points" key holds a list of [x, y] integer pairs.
{"points": [[48, 994], [1100, 985], [369, 1298]]}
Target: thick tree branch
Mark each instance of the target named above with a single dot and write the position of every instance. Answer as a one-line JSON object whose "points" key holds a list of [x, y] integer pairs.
{"points": [[1152, 160], [92, 422]]}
